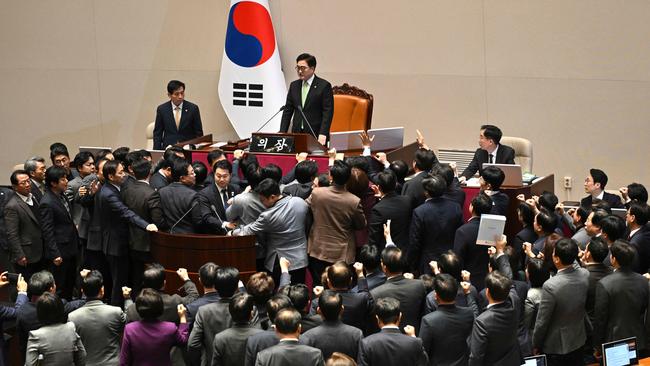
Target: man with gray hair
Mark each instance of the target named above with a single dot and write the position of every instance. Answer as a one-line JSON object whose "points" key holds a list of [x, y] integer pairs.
{"points": [[35, 168]]}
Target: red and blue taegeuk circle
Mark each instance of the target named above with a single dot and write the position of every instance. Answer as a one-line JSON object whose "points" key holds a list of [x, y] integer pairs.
{"points": [[250, 39]]}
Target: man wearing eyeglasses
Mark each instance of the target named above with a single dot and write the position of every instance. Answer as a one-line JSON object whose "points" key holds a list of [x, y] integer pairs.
{"points": [[314, 96]]}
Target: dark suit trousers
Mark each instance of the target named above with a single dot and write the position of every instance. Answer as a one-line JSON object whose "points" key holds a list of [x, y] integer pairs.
{"points": [[297, 275], [119, 267], [316, 268], [95, 259], [64, 276], [570, 359], [138, 260]]}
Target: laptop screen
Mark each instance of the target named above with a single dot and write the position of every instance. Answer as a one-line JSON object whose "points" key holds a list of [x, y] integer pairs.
{"points": [[620, 353], [535, 361]]}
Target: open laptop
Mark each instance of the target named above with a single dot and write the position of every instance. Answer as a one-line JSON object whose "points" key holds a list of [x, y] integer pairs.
{"points": [[620, 353], [535, 361], [385, 139], [512, 172]]}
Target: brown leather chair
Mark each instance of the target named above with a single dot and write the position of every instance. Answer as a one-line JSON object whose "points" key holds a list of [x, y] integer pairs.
{"points": [[352, 109]]}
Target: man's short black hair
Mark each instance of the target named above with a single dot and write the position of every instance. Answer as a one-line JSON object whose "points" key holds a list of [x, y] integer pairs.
{"points": [[640, 211], [583, 212], [241, 307], [387, 310], [299, 296], [494, 176], [370, 256], [214, 155], [53, 174], [359, 162], [275, 304], [101, 154], [449, 263], [174, 85], [434, 185], [309, 59], [393, 259], [613, 226], [598, 176], [267, 188], [387, 181], [154, 277], [330, 304], [492, 132], [340, 172], [481, 204], [110, 168], [547, 220], [526, 213], [200, 172], [253, 175], [208, 274], [538, 272], [14, 176], [222, 164], [92, 283], [624, 253], [323, 180], [141, 169], [445, 286], [566, 250], [173, 151], [400, 168], [598, 216], [261, 286], [149, 304], [132, 157], [272, 171], [637, 192], [339, 275], [179, 169], [548, 200], [226, 281], [49, 309], [424, 159], [82, 158], [306, 170], [498, 285], [598, 249], [40, 282], [57, 149], [287, 321], [120, 154], [444, 170]]}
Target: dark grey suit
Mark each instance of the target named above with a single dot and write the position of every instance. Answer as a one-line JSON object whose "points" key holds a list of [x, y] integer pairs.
{"points": [[597, 271], [157, 180], [357, 306], [257, 343], [23, 230], [290, 353], [392, 207], [410, 294], [100, 327], [177, 200], [391, 348], [414, 190], [444, 335], [210, 320], [331, 337], [229, 346]]}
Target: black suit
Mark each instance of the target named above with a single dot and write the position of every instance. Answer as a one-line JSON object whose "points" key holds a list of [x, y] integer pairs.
{"points": [[641, 241], [525, 235], [257, 343], [474, 257], [411, 295], [414, 190], [455, 193], [157, 181], [597, 271], [612, 200], [318, 108], [433, 228], [444, 335], [391, 348], [177, 200], [36, 192], [357, 306], [24, 237], [500, 202], [505, 155], [331, 337], [229, 346], [290, 353], [211, 207], [397, 209], [60, 235], [166, 133]]}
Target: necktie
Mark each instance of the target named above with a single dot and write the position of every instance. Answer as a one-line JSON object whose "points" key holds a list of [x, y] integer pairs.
{"points": [[491, 159], [305, 91], [177, 116], [224, 197], [65, 204]]}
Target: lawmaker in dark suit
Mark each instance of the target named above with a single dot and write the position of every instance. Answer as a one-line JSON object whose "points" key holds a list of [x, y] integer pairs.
{"points": [[454, 191], [176, 120], [490, 151], [229, 346], [59, 231], [639, 237], [475, 258], [289, 352], [314, 96], [263, 340], [621, 301], [393, 207], [178, 201], [444, 332], [595, 184], [390, 347], [422, 163], [433, 225], [491, 179], [216, 198]]}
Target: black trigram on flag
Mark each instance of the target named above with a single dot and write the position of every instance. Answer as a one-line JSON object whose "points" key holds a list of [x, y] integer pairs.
{"points": [[247, 94]]}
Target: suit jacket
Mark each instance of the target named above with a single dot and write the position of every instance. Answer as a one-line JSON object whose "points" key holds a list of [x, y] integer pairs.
{"points": [[95, 235], [147, 343], [302, 190], [59, 343], [641, 242], [614, 201], [170, 304], [444, 335], [500, 202], [257, 343], [59, 231], [392, 207], [210, 201], [410, 294], [166, 133], [505, 155], [474, 257], [193, 307], [36, 191], [455, 193], [115, 218], [494, 335], [357, 305], [391, 348], [5, 195], [621, 305], [525, 235], [209, 320], [177, 200], [560, 325], [337, 213], [229, 346], [24, 235], [318, 108], [414, 190], [136, 197], [597, 271], [157, 180], [331, 337], [290, 353], [100, 327], [433, 228]]}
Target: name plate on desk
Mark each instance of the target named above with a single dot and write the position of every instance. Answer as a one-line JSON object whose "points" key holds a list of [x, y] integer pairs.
{"points": [[273, 144]]}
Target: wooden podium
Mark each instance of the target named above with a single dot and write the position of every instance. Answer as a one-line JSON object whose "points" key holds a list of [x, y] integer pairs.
{"points": [[191, 251]]}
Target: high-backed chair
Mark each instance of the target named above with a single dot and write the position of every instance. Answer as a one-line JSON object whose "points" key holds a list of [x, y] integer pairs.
{"points": [[523, 151], [352, 109], [149, 135]]}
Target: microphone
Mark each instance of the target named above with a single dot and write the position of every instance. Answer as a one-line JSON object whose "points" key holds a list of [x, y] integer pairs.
{"points": [[214, 209], [182, 217], [307, 122], [273, 116]]}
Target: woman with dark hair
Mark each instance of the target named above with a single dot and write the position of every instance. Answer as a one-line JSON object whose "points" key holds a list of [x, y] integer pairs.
{"points": [[536, 273], [359, 185], [526, 217], [148, 341], [56, 342]]}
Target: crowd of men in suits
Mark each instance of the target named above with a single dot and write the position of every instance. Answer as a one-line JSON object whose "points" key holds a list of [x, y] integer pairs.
{"points": [[394, 272]]}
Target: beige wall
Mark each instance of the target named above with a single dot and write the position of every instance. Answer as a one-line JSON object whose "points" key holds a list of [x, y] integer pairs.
{"points": [[572, 76]]}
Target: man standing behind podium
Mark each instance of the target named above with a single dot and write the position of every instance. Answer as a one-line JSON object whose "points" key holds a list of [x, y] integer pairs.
{"points": [[176, 120], [314, 96], [490, 151]]}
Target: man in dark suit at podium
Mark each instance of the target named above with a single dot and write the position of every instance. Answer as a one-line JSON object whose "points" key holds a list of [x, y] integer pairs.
{"points": [[490, 151], [314, 96], [176, 120]]}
